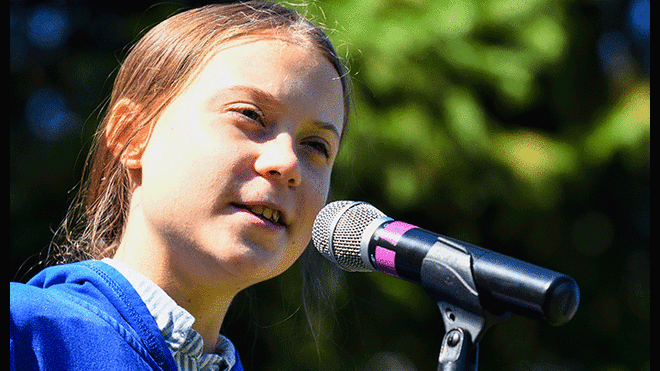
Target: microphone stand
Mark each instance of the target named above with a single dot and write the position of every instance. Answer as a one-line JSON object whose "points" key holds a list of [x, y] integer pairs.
{"points": [[464, 318], [459, 352]]}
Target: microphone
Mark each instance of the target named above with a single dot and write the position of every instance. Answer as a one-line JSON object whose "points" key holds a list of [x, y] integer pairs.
{"points": [[358, 237]]}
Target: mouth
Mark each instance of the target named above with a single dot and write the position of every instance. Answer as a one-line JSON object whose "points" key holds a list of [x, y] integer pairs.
{"points": [[269, 214]]}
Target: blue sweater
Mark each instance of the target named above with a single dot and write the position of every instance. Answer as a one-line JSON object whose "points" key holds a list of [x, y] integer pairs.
{"points": [[83, 316]]}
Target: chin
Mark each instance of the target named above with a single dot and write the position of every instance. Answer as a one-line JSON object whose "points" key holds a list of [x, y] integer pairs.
{"points": [[253, 264]]}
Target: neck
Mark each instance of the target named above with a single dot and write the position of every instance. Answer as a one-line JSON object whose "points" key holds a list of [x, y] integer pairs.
{"points": [[193, 286], [208, 304], [192, 279]]}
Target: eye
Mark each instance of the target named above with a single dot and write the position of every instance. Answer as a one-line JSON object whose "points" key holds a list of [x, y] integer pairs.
{"points": [[319, 146], [252, 114], [249, 113]]}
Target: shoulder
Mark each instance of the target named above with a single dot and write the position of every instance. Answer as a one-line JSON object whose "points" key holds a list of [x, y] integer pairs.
{"points": [[49, 329], [82, 316], [63, 294]]}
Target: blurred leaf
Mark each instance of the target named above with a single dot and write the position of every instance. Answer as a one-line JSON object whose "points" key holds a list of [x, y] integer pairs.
{"points": [[624, 126], [500, 11]]}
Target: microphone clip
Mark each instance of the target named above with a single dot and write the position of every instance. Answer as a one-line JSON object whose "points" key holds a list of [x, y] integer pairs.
{"points": [[464, 318]]}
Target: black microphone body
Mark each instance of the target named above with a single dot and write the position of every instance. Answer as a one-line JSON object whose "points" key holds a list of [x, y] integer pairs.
{"points": [[358, 237]]}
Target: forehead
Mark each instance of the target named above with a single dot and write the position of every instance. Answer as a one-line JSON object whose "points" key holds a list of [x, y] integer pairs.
{"points": [[287, 68], [266, 57]]}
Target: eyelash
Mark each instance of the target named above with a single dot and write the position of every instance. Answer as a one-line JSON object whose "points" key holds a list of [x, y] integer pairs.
{"points": [[320, 147], [251, 113]]}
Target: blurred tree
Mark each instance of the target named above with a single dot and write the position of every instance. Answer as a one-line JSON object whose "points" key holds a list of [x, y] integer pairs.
{"points": [[520, 126]]}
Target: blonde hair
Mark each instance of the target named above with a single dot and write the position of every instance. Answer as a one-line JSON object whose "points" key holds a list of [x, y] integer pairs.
{"points": [[154, 72]]}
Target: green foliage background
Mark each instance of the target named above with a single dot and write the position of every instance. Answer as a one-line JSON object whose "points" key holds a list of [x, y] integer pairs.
{"points": [[491, 121]]}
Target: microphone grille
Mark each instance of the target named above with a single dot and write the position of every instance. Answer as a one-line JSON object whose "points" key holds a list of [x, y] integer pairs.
{"points": [[344, 222], [321, 230]]}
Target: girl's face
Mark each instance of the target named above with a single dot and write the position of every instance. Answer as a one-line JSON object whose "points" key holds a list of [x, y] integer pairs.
{"points": [[238, 165]]}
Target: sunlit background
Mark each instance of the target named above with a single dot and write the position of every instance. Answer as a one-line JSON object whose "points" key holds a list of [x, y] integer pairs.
{"points": [[522, 126]]}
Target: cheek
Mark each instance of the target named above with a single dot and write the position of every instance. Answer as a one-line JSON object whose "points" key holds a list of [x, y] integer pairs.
{"points": [[180, 177], [317, 192], [314, 198]]}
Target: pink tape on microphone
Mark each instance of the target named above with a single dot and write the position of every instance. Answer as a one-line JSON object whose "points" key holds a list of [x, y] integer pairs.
{"points": [[385, 257], [385, 261], [395, 231]]}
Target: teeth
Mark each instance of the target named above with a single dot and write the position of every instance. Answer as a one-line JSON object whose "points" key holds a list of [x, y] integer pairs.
{"points": [[270, 214]]}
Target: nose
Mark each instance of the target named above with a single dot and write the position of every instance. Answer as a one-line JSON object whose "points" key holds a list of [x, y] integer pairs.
{"points": [[278, 161]]}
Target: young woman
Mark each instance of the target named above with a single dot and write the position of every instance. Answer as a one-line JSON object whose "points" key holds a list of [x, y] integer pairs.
{"points": [[208, 171]]}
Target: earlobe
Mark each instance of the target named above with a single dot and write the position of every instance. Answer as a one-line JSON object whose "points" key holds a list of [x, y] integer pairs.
{"points": [[122, 139]]}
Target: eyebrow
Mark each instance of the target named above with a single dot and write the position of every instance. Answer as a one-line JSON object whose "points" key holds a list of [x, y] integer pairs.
{"points": [[328, 126], [270, 100], [260, 95]]}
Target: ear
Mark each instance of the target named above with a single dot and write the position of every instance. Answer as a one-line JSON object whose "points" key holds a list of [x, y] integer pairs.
{"points": [[122, 139]]}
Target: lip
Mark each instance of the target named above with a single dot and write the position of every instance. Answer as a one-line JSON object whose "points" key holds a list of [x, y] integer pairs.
{"points": [[247, 206]]}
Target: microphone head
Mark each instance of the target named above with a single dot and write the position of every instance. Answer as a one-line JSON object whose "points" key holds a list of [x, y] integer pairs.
{"points": [[338, 229]]}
